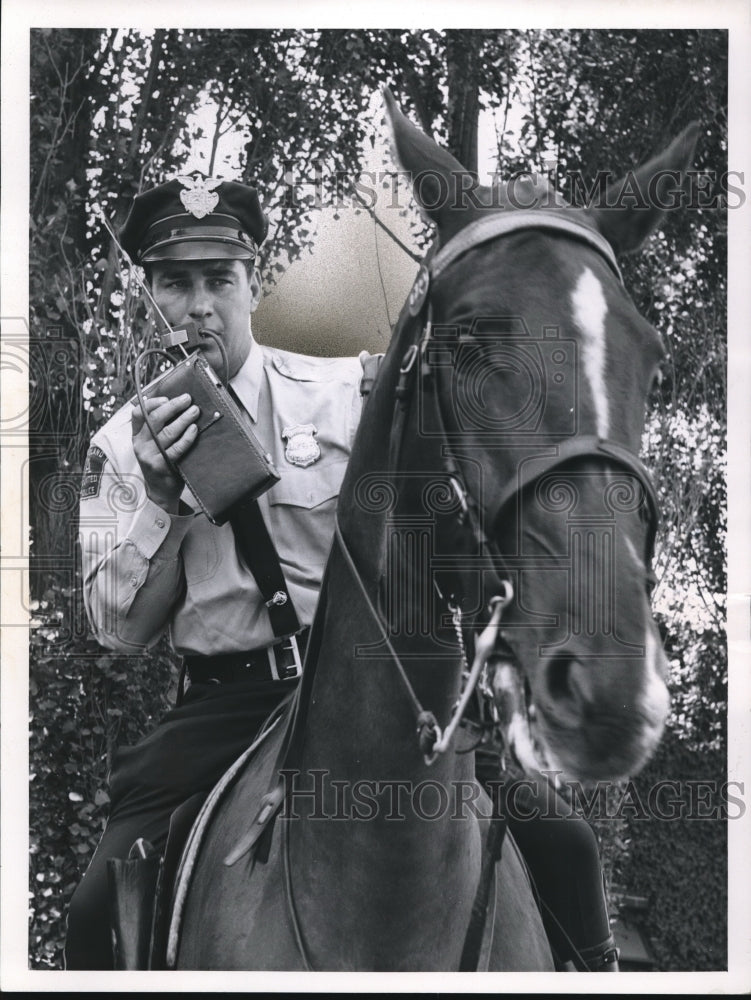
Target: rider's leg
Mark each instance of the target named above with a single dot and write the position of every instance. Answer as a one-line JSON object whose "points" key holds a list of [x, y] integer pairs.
{"points": [[561, 851], [188, 752], [88, 944]]}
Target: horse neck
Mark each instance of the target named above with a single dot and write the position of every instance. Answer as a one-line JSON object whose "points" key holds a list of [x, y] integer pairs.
{"points": [[378, 608], [410, 843], [359, 735], [387, 649]]}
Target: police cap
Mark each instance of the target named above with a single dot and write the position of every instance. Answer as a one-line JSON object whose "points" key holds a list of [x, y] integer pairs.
{"points": [[194, 217]]}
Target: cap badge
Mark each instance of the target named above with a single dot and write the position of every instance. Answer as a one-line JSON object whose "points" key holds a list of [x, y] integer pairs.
{"points": [[198, 195], [302, 448]]}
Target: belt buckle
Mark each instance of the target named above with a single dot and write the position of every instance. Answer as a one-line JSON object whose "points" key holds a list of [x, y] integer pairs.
{"points": [[289, 671]]}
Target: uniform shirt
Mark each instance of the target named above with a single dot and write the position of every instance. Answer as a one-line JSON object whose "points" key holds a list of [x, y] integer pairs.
{"points": [[145, 570]]}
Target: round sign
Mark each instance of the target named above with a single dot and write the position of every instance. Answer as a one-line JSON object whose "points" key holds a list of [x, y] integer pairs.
{"points": [[419, 291]]}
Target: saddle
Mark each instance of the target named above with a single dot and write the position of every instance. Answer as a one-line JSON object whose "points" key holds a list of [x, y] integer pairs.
{"points": [[148, 890]]}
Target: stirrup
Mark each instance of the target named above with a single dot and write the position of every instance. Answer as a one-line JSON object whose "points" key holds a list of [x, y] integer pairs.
{"points": [[602, 958]]}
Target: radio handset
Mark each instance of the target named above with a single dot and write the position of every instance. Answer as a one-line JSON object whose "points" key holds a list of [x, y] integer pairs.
{"points": [[226, 463], [184, 338]]}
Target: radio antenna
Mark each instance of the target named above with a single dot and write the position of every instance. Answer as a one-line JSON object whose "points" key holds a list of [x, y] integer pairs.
{"points": [[173, 335]]}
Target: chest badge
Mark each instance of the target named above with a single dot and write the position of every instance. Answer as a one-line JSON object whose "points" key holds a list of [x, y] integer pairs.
{"points": [[302, 448]]}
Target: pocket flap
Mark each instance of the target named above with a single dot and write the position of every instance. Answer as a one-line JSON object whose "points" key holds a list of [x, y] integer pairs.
{"points": [[308, 487]]}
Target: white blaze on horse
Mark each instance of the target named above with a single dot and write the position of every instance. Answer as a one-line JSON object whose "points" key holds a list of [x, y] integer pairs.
{"points": [[496, 458]]}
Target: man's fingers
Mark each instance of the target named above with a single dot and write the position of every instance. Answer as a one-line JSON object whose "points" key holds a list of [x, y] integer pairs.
{"points": [[175, 429], [161, 411], [150, 405], [177, 450], [171, 431]]}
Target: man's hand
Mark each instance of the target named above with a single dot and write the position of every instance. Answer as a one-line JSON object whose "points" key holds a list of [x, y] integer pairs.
{"points": [[174, 421]]}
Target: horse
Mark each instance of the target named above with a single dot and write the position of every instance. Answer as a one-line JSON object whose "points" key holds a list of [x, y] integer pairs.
{"points": [[494, 530]]}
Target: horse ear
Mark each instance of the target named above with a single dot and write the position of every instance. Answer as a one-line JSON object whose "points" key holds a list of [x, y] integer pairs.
{"points": [[635, 204], [434, 172]]}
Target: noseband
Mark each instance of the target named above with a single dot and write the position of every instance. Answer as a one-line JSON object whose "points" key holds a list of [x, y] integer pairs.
{"points": [[417, 360]]}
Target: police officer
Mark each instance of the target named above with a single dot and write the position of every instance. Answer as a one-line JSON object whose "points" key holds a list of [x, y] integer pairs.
{"points": [[152, 563]]}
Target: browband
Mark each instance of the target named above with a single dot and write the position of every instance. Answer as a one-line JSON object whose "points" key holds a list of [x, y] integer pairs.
{"points": [[501, 223]]}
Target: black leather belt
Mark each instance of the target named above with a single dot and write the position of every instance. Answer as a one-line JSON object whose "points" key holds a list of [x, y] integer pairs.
{"points": [[280, 662]]}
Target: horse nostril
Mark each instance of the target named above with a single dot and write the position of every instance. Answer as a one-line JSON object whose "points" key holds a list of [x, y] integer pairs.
{"points": [[556, 675], [568, 688]]}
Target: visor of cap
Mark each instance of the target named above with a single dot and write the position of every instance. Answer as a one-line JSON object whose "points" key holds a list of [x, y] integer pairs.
{"points": [[177, 240], [197, 249]]}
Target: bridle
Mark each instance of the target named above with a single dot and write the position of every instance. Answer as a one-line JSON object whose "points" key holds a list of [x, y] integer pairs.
{"points": [[416, 364], [416, 367]]}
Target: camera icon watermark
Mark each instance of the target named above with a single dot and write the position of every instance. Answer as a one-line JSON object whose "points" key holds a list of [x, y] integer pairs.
{"points": [[40, 426], [507, 385], [503, 408]]}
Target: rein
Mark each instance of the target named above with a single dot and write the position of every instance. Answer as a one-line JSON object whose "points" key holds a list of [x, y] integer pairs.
{"points": [[416, 359], [432, 741], [430, 738]]}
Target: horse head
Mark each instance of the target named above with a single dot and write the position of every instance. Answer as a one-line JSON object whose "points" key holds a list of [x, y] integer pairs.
{"points": [[534, 368]]}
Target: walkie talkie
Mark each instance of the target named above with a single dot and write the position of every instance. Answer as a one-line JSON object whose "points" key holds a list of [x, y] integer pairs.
{"points": [[226, 463]]}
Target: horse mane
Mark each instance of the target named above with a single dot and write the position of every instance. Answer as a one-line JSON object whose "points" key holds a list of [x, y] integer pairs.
{"points": [[369, 451]]}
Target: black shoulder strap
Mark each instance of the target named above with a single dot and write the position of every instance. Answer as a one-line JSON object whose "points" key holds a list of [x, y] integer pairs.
{"points": [[261, 558], [371, 364], [258, 549], [260, 555]]}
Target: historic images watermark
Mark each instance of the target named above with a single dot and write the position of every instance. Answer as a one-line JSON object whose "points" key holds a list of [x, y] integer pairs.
{"points": [[665, 190], [319, 796]]}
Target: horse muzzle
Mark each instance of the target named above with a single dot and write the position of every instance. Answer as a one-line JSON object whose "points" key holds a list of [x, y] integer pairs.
{"points": [[601, 720], [591, 719]]}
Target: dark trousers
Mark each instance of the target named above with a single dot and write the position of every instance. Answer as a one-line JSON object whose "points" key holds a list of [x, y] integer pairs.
{"points": [[188, 752], [564, 860], [561, 853]]}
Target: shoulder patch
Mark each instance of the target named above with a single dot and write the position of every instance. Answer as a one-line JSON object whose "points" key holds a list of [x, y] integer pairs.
{"points": [[91, 480]]}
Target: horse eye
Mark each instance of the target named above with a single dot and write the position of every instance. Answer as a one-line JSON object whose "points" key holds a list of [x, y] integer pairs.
{"points": [[654, 386]]}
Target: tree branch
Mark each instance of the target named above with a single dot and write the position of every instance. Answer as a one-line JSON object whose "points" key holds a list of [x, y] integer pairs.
{"points": [[402, 246]]}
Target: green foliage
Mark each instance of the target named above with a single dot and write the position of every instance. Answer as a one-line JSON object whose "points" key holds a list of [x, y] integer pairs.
{"points": [[680, 864], [85, 702]]}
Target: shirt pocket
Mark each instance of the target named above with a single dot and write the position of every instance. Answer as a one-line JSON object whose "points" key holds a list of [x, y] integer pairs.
{"points": [[310, 487]]}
